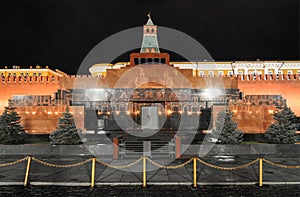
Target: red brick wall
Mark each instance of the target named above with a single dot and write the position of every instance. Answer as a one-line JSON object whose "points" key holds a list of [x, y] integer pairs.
{"points": [[44, 119], [18, 86], [287, 86]]}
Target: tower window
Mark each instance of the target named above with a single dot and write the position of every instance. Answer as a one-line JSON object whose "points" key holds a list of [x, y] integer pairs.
{"points": [[136, 61], [152, 30], [147, 30]]}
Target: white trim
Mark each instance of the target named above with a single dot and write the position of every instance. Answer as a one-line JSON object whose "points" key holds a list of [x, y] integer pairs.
{"points": [[11, 183], [61, 183]]}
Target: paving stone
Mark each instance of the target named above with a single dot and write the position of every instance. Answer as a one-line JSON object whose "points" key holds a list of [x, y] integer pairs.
{"points": [[249, 190]]}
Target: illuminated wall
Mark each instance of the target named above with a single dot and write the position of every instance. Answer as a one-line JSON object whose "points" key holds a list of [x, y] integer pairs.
{"points": [[44, 119], [286, 85], [254, 119], [32, 86]]}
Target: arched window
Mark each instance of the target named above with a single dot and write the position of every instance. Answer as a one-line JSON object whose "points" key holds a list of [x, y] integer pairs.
{"points": [[147, 30], [152, 30]]}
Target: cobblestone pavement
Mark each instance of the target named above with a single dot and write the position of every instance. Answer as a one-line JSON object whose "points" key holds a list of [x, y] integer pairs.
{"points": [[232, 191]]}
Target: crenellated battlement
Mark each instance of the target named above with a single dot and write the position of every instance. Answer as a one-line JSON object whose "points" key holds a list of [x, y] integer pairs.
{"points": [[42, 79], [55, 79], [269, 77], [30, 79]]}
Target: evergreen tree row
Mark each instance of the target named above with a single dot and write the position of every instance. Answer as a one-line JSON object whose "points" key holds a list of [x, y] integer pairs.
{"points": [[226, 130], [283, 131], [11, 131], [66, 132]]}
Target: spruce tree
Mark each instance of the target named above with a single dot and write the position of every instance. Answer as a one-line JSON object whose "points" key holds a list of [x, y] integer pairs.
{"points": [[226, 129], [11, 131], [66, 132], [283, 131]]}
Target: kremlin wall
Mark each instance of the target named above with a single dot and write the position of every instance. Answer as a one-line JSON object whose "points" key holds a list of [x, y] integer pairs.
{"points": [[253, 114]]}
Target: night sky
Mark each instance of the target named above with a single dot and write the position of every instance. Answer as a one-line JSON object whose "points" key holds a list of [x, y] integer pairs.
{"points": [[60, 33]]}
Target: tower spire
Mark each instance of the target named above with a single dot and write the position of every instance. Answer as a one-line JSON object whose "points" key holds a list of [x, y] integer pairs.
{"points": [[150, 44], [149, 15]]}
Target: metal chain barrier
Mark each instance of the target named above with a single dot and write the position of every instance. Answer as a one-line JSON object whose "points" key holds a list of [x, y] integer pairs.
{"points": [[13, 162], [227, 168], [60, 165], [94, 160], [169, 167], [151, 161], [119, 167], [280, 165]]}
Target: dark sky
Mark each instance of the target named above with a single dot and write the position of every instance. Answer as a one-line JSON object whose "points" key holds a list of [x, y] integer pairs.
{"points": [[60, 33]]}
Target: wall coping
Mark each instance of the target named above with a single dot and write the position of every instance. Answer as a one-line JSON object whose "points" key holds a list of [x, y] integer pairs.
{"points": [[107, 150]]}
